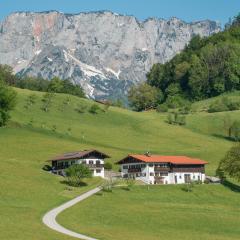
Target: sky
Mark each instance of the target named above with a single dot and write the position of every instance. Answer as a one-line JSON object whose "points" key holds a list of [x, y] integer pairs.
{"points": [[187, 10]]}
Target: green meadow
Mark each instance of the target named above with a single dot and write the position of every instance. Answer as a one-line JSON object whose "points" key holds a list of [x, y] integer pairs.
{"points": [[160, 212], [34, 136]]}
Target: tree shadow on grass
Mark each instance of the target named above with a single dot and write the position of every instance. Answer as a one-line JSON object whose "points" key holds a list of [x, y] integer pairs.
{"points": [[232, 186], [81, 184], [224, 137]]}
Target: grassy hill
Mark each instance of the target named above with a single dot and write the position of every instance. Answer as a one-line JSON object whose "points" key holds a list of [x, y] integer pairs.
{"points": [[162, 212], [34, 136]]}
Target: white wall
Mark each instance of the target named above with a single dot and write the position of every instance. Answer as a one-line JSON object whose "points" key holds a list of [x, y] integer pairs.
{"points": [[170, 179], [79, 161]]}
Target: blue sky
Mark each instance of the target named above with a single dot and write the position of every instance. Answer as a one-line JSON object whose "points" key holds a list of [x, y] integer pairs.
{"points": [[188, 10]]}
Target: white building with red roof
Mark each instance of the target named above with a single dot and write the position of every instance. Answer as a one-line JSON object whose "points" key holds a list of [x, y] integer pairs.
{"points": [[156, 169]]}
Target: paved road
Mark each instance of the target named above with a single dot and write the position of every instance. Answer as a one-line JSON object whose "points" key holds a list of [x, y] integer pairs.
{"points": [[49, 218]]}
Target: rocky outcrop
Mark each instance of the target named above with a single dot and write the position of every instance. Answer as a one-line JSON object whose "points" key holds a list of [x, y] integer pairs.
{"points": [[103, 51]]}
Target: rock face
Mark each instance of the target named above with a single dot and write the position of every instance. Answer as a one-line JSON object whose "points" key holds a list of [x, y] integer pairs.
{"points": [[102, 51]]}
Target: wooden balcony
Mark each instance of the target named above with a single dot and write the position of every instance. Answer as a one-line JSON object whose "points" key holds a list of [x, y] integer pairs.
{"points": [[91, 166], [197, 169], [161, 169], [134, 170]]}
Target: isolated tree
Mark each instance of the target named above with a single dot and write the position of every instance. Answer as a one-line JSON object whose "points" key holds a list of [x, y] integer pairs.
{"points": [[55, 85], [7, 102], [230, 164], [144, 96], [235, 130], [76, 173], [47, 101], [227, 123], [31, 100]]}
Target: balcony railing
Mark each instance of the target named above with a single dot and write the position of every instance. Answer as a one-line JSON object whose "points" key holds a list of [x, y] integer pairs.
{"points": [[162, 169], [134, 170], [61, 167], [197, 169]]}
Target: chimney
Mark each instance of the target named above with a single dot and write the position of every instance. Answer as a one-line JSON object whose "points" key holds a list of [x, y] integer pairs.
{"points": [[148, 154]]}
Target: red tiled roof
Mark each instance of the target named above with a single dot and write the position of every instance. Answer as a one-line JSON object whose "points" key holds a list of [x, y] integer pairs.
{"points": [[77, 155], [167, 159]]}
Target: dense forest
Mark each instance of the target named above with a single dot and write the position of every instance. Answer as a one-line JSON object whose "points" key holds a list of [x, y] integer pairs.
{"points": [[207, 67]]}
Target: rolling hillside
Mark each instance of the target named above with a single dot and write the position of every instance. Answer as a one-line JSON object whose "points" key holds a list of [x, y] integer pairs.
{"points": [[34, 136]]}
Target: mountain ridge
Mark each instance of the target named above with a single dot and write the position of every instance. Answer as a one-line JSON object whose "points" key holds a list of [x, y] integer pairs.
{"points": [[104, 52]]}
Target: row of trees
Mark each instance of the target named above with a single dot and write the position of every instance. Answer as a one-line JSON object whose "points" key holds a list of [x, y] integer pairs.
{"points": [[55, 85], [207, 67]]}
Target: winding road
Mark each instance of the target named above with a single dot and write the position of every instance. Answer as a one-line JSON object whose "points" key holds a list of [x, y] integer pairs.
{"points": [[49, 218]]}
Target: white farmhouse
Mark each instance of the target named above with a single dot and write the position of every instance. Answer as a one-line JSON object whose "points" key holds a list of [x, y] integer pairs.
{"points": [[155, 169], [91, 158]]}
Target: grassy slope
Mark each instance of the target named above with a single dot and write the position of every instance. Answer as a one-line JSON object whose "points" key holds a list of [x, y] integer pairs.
{"points": [[211, 123], [28, 192], [163, 212]]}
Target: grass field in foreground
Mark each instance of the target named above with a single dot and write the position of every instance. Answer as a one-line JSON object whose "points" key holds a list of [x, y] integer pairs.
{"points": [[162, 212], [27, 192]]}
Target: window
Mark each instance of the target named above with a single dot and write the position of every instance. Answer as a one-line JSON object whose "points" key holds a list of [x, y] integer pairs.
{"points": [[163, 174], [125, 166], [72, 162], [98, 170], [98, 162], [150, 165], [90, 162], [180, 177], [83, 162], [151, 174]]}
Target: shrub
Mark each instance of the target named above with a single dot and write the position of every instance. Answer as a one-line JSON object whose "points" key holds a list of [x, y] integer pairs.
{"points": [[224, 104], [176, 101], [47, 168], [108, 166], [81, 108], [162, 108], [176, 118], [217, 106], [94, 109]]}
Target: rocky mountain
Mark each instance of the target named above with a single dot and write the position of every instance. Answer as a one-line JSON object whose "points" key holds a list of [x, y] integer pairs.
{"points": [[102, 51]]}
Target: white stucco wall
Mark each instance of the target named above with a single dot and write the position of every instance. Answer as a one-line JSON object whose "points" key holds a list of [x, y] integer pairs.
{"points": [[169, 179]]}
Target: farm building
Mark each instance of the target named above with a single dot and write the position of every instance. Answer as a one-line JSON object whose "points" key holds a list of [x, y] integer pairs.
{"points": [[92, 158], [155, 169]]}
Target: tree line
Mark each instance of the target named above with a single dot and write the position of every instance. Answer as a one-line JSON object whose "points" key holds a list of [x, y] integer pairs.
{"points": [[55, 84], [207, 67], [8, 95]]}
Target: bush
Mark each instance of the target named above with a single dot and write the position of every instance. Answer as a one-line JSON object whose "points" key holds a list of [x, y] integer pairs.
{"points": [[162, 108], [176, 101], [176, 118], [185, 109], [94, 109], [217, 106], [47, 168], [224, 104], [81, 108], [108, 166]]}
